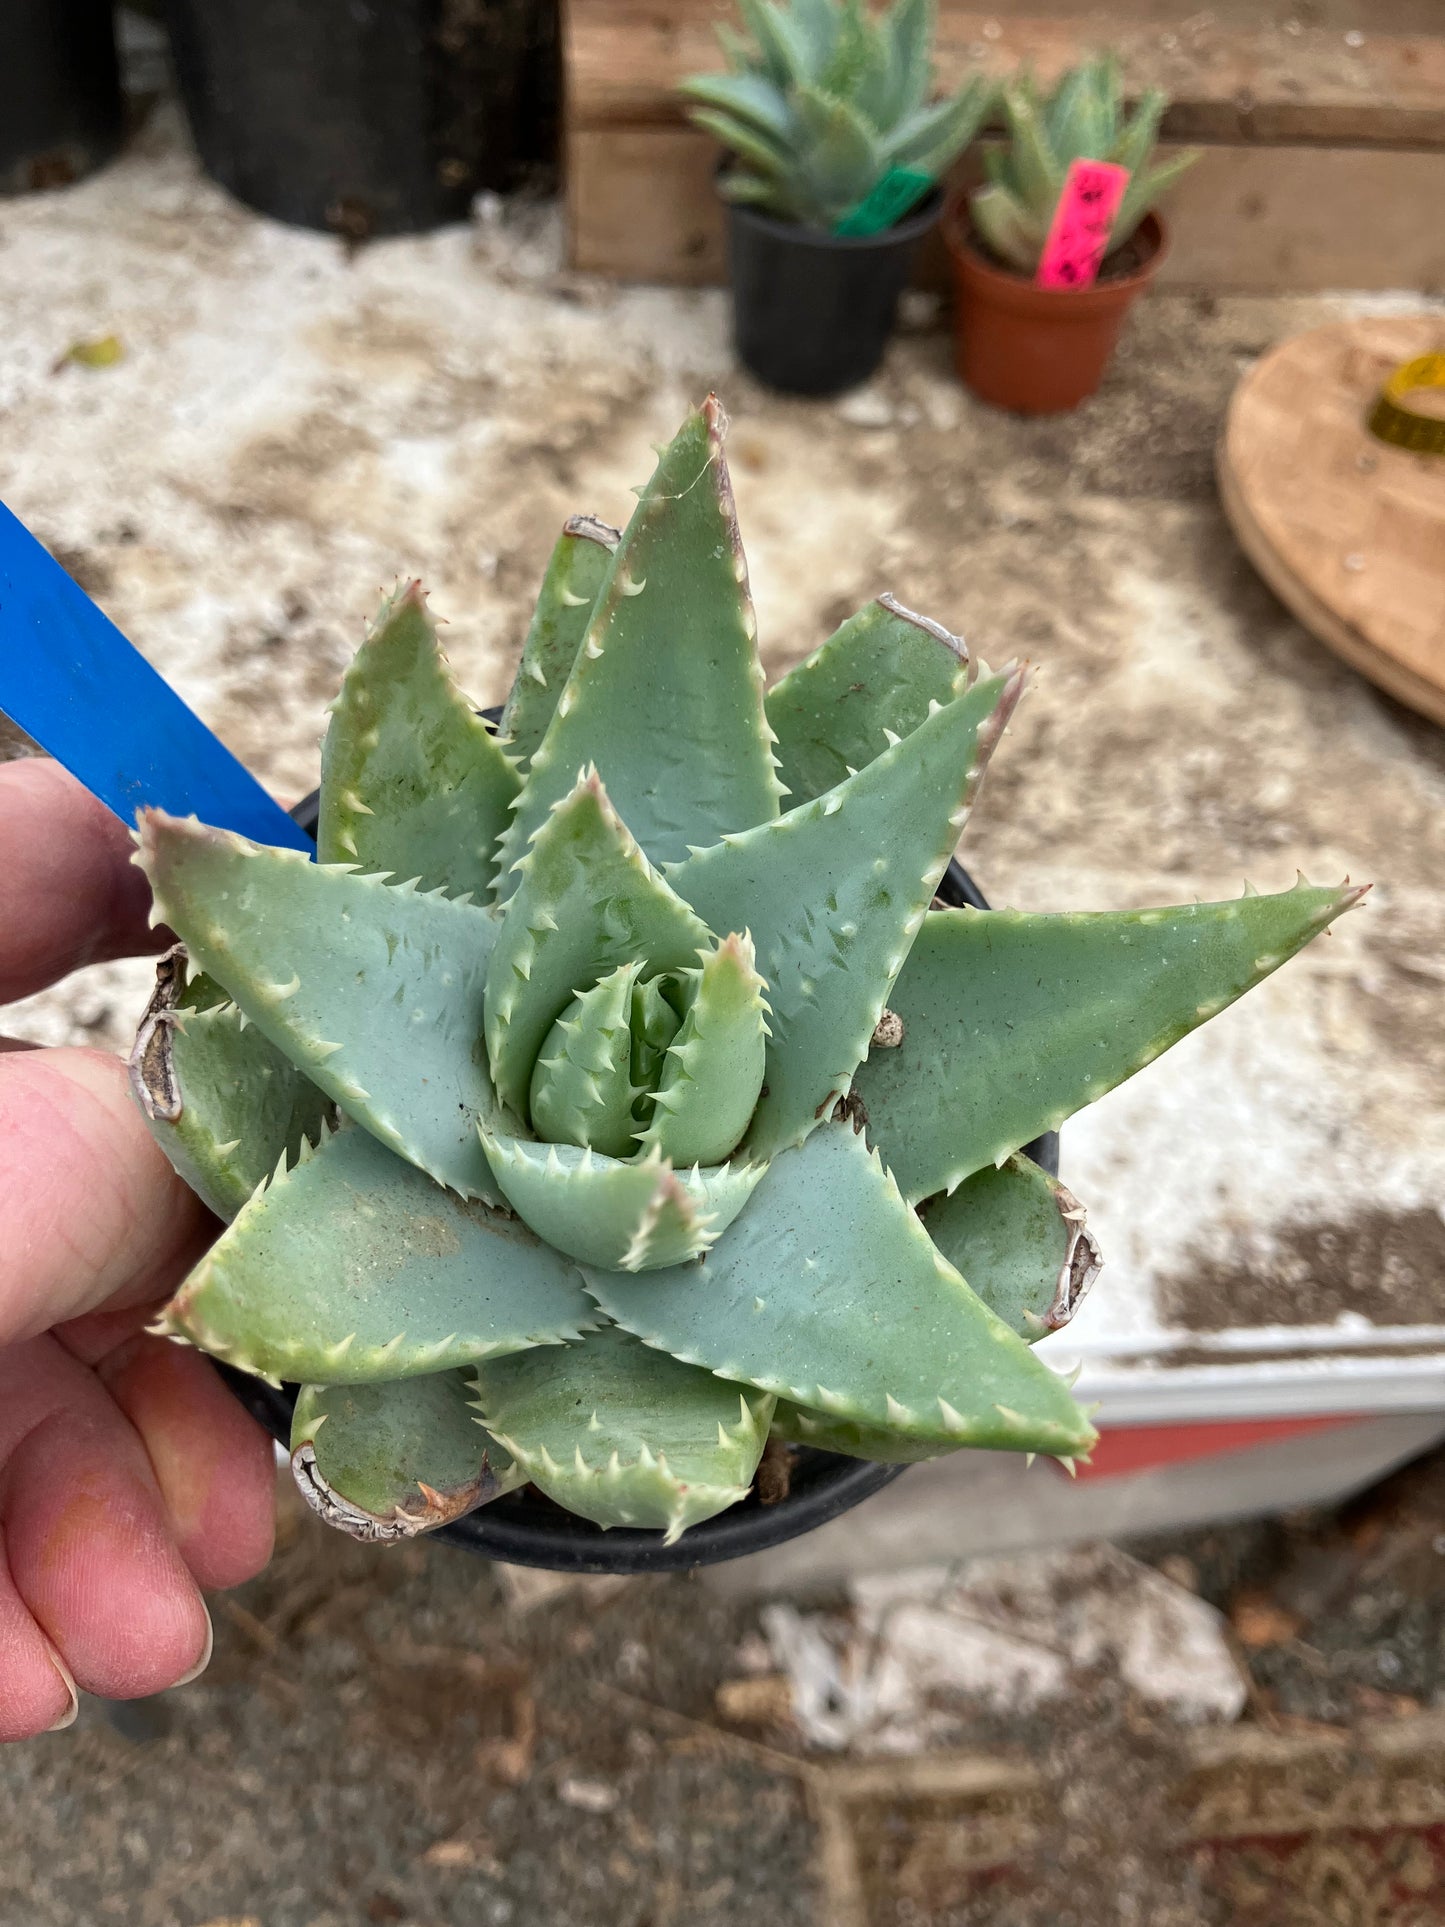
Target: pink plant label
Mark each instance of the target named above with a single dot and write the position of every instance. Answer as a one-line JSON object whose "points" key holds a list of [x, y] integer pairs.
{"points": [[1079, 234]]}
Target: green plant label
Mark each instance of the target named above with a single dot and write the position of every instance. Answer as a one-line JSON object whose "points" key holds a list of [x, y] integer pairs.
{"points": [[900, 189]]}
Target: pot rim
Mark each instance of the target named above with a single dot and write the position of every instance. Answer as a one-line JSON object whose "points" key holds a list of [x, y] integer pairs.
{"points": [[924, 215], [960, 239], [523, 1530]]}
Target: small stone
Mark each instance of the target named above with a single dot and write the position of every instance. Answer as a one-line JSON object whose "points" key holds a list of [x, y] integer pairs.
{"points": [[588, 1796], [1258, 1622], [1354, 38], [887, 1032], [866, 408], [765, 1701]]}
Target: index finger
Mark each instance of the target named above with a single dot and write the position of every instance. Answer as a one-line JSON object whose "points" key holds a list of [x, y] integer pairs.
{"points": [[69, 894]]}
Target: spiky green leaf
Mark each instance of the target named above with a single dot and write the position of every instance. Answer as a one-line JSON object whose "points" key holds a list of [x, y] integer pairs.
{"points": [[353, 1267], [587, 900], [623, 1435], [828, 1292], [713, 1070], [666, 695], [373, 990], [413, 782], [930, 140], [559, 622], [744, 97], [1013, 1022], [629, 1216], [582, 1090], [220, 1099], [841, 156], [1007, 228], [796, 1425], [833, 893], [391, 1460], [1017, 1235], [877, 674]]}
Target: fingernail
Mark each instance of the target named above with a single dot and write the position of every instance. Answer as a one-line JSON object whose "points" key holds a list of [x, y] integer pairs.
{"points": [[68, 1717], [205, 1659]]}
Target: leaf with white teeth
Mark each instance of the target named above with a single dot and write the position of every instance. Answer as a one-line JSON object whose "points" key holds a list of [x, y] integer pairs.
{"points": [[413, 782], [666, 694], [833, 893], [877, 675], [1012, 1022], [220, 1100], [632, 1216], [569, 591], [713, 1069], [582, 1090], [827, 1291], [588, 900], [796, 1425], [353, 1267], [1018, 1236], [374, 991], [625, 1436], [388, 1461]]}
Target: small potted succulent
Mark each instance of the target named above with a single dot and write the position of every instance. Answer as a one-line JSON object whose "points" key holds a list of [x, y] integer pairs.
{"points": [[834, 151], [60, 98], [614, 1095], [1042, 282]]}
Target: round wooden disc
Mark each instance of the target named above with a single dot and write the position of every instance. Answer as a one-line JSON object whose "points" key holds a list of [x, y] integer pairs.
{"points": [[1348, 531]]}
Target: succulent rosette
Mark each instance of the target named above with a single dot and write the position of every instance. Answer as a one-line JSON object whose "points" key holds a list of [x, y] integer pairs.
{"points": [[611, 1092]]}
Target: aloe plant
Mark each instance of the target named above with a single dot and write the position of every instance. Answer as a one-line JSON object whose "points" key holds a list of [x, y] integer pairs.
{"points": [[826, 101], [612, 1091], [1082, 118]]}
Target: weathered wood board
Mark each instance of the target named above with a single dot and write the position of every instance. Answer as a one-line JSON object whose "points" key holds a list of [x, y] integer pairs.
{"points": [[1348, 531], [1325, 161]]}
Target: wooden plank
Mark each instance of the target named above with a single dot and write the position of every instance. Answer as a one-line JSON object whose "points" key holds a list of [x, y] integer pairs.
{"points": [[1251, 219], [1233, 75]]}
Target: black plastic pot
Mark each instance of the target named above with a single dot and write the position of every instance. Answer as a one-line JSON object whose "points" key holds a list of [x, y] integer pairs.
{"points": [[527, 1529], [812, 312], [368, 117], [60, 103]]}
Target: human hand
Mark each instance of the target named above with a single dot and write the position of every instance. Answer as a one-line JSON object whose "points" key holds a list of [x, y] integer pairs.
{"points": [[129, 1476]]}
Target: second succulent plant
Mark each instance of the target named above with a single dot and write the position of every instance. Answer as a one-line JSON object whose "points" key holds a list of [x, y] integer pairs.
{"points": [[1082, 118]]}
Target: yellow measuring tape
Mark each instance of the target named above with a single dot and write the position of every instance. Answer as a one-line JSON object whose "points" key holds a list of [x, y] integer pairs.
{"points": [[1403, 427]]}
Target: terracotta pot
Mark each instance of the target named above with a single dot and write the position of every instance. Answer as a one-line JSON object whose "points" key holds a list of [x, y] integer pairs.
{"points": [[1038, 351]]}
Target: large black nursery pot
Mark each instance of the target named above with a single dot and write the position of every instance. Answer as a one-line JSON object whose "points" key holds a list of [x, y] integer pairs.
{"points": [[525, 1529], [60, 100], [368, 117], [813, 311]]}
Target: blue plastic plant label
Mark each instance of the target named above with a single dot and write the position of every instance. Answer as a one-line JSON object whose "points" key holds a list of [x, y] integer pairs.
{"points": [[70, 679]]}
